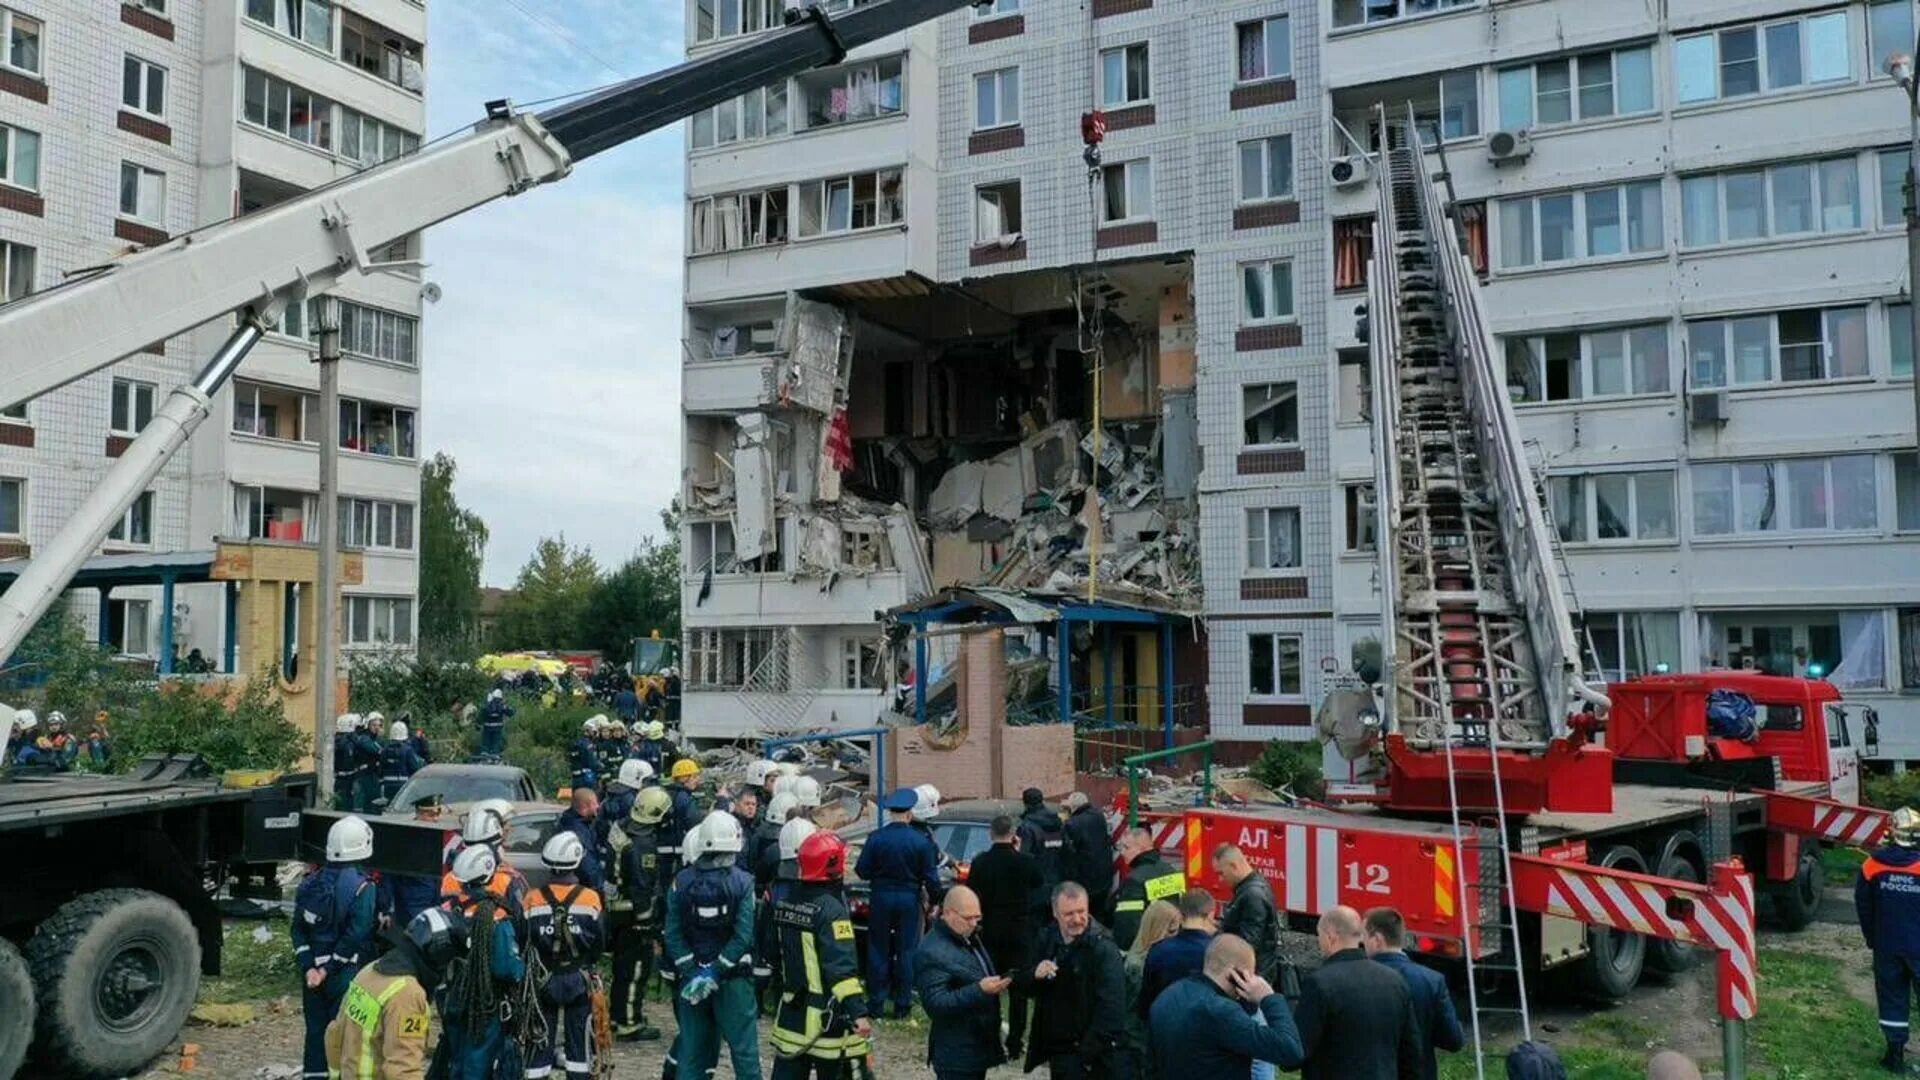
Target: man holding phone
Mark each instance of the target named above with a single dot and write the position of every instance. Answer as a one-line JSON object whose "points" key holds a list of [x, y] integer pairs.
{"points": [[1201, 1026], [954, 975], [1078, 987]]}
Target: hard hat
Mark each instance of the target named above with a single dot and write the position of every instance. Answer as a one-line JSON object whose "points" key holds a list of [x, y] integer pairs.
{"points": [[397, 731], [374, 720], [757, 772], [652, 806], [633, 773], [482, 826], [1905, 827], [784, 785], [694, 845], [349, 840], [926, 805], [789, 768], [347, 722], [792, 834], [440, 935], [563, 852], [656, 730], [685, 768], [56, 718], [823, 857], [806, 791], [494, 695], [592, 724], [474, 864], [780, 806], [722, 833], [24, 720], [616, 729]]}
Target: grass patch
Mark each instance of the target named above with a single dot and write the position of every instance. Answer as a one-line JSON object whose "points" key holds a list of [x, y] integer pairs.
{"points": [[1809, 1024], [1584, 1062], [253, 971], [1842, 864]]}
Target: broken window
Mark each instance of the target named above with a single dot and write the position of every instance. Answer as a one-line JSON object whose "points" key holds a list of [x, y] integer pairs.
{"points": [[860, 667], [851, 93], [996, 211], [1266, 49], [1802, 345], [1356, 386], [1129, 191], [1123, 75], [1273, 665], [743, 220], [1361, 519], [1267, 291], [1273, 538], [1352, 250], [1612, 507], [1270, 413], [1568, 366], [846, 203], [710, 548], [865, 547]]}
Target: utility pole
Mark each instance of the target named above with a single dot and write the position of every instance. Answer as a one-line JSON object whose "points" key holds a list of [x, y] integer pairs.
{"points": [[326, 580], [1900, 66]]}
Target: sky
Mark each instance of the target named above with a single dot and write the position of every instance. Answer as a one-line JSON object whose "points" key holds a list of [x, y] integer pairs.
{"points": [[552, 360]]}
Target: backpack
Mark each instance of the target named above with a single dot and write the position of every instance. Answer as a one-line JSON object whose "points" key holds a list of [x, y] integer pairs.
{"points": [[1535, 1061], [318, 902], [711, 895]]}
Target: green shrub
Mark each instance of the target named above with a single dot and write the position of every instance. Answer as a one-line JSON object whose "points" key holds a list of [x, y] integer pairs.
{"points": [[241, 726], [1891, 791], [1294, 765]]}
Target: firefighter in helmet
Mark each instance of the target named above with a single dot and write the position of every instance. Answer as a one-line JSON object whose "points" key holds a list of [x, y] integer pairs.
{"points": [[1887, 899], [821, 1025]]}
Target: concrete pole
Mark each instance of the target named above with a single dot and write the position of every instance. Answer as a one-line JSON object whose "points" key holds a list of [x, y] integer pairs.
{"points": [[326, 582], [1913, 240]]}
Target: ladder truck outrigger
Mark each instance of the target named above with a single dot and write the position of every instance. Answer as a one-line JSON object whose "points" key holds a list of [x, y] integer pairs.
{"points": [[106, 893], [1523, 818]]}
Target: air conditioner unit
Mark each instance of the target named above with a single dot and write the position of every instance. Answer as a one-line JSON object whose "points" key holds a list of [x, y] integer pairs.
{"points": [[1349, 172], [1707, 407], [1509, 146]]}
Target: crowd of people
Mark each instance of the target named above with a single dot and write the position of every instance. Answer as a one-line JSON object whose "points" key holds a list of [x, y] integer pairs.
{"points": [[56, 749]]}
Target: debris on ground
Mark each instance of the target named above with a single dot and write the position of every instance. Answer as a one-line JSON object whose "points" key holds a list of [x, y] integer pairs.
{"points": [[223, 1015]]}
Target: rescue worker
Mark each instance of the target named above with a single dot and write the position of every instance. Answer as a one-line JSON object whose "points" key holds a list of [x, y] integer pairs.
{"points": [[346, 760], [621, 792], [475, 1040], [806, 797], [422, 749], [366, 761], [333, 928], [566, 924], [760, 776], [671, 691], [582, 820], [1886, 896], [486, 826], [1044, 836], [926, 807], [821, 1026], [403, 896], [763, 846], [493, 725], [693, 848], [766, 971], [99, 744], [635, 911], [656, 751], [56, 746], [626, 703], [900, 864], [381, 1032], [398, 761], [613, 748], [710, 943], [686, 776], [583, 754], [1148, 879]]}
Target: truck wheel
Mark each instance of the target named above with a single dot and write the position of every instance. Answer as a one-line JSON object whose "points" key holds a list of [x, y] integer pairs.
{"points": [[1614, 957], [1796, 901], [1677, 860], [16, 1019], [116, 971]]}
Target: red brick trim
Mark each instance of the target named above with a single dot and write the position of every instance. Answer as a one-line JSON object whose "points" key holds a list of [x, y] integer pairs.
{"points": [[1104, 8], [1264, 215], [117, 445], [1266, 462], [1132, 116], [995, 29], [138, 233], [22, 201], [146, 127], [15, 433], [1273, 588], [1141, 232], [142, 19], [990, 254], [988, 142], [1278, 336], [1276, 715], [15, 549], [1253, 95], [26, 86]]}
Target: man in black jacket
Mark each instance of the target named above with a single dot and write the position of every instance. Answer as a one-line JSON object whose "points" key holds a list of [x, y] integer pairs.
{"points": [[1089, 850], [1079, 989], [1438, 1025], [1043, 836], [1148, 879], [1355, 1017], [1007, 882], [1252, 914], [960, 989]]}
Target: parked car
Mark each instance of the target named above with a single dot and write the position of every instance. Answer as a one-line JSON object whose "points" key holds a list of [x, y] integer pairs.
{"points": [[460, 786]]}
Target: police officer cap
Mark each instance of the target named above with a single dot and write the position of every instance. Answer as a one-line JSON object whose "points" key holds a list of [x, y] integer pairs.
{"points": [[903, 800]]}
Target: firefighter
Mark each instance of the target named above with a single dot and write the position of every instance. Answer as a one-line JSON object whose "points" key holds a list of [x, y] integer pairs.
{"points": [[694, 847], [613, 748], [583, 754], [786, 872], [333, 928], [821, 1026], [492, 969], [486, 826], [566, 925], [346, 760], [381, 1032], [1148, 879], [710, 943], [366, 756], [635, 912], [493, 726], [1887, 898], [398, 761], [621, 792]]}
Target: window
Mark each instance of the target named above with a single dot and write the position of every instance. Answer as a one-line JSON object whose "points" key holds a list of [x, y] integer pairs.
{"points": [[1459, 107], [1591, 224], [1798, 644], [1367, 12], [143, 86], [271, 513], [13, 506], [376, 523], [710, 547], [1361, 516], [1802, 345], [1266, 169], [1273, 665], [987, 9], [19, 157], [1779, 200], [996, 211], [1906, 492], [1352, 251], [757, 114], [1266, 293], [1798, 494], [1266, 49], [310, 21], [996, 98], [1628, 644], [16, 413], [860, 667], [135, 527], [1598, 363], [1762, 58], [1570, 89], [143, 193], [16, 270], [368, 428], [272, 412], [849, 94], [730, 18], [1273, 538], [1613, 507], [300, 115], [1900, 338], [744, 220], [1889, 31], [21, 36], [1270, 414], [127, 626], [1123, 75], [1356, 386], [376, 333], [132, 406], [379, 620], [380, 52], [847, 203], [370, 142], [1893, 188], [1128, 186]]}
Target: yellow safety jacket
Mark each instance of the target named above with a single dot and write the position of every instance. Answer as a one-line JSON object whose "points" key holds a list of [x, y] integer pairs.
{"points": [[381, 1032], [821, 994]]}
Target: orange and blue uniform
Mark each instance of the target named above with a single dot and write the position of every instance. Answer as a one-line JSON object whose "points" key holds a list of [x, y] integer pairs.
{"points": [[1887, 898]]}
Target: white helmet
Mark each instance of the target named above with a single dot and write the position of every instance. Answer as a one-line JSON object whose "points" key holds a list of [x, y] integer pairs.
{"points": [[721, 833], [784, 785], [374, 720], [926, 805], [498, 806], [806, 791], [474, 863], [592, 724], [56, 718], [349, 840], [483, 826], [789, 768], [695, 845], [633, 773], [494, 695], [563, 852], [347, 723], [780, 806], [24, 720], [792, 834], [656, 730], [397, 731], [757, 772]]}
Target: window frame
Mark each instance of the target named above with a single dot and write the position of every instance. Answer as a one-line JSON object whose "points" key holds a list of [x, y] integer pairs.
{"points": [[806, 83], [1128, 170], [1265, 268], [1267, 516], [826, 185], [358, 519], [325, 129], [1287, 388], [124, 531], [1275, 647], [1264, 25], [998, 80], [994, 192], [21, 492], [769, 17], [1266, 170], [1581, 228], [362, 609], [146, 68], [1622, 620], [1631, 367], [126, 393], [1360, 521], [9, 20], [707, 220], [1762, 60], [1776, 357], [1125, 100], [11, 258], [1588, 489], [1575, 111], [1770, 203], [742, 111], [1780, 495], [156, 215], [307, 402], [11, 136]]}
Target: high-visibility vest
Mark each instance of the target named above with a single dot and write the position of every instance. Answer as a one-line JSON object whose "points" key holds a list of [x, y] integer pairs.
{"points": [[363, 1010]]}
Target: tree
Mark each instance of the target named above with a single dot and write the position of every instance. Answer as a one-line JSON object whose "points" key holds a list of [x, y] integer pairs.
{"points": [[453, 541], [642, 596], [548, 606]]}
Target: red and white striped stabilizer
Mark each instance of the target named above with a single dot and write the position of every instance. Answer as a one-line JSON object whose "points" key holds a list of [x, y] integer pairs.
{"points": [[1825, 819], [1718, 916]]}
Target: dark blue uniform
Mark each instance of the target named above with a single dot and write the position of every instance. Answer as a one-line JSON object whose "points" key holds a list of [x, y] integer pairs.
{"points": [[345, 768], [493, 727], [710, 919], [402, 896], [421, 747], [591, 868], [898, 862], [685, 814], [366, 772], [583, 760], [398, 763], [567, 928], [1887, 898], [626, 705], [654, 753], [333, 927]]}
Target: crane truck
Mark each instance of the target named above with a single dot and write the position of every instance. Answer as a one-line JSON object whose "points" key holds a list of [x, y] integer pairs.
{"points": [[107, 919]]}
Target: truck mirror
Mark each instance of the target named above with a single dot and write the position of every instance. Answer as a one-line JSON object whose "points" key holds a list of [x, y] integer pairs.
{"points": [[1871, 736]]}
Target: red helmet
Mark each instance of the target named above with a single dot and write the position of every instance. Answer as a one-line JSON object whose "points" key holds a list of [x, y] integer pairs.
{"points": [[823, 857]]}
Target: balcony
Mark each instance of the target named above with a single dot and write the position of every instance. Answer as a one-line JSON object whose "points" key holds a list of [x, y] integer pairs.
{"points": [[775, 599]]}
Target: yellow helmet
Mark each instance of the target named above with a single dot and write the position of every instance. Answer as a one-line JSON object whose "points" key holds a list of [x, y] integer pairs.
{"points": [[652, 806], [684, 768], [1905, 827]]}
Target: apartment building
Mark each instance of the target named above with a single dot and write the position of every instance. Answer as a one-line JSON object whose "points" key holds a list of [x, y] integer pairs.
{"points": [[125, 124]]}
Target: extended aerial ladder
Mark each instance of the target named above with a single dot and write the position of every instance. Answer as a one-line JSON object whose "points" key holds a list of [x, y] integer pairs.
{"points": [[251, 268]]}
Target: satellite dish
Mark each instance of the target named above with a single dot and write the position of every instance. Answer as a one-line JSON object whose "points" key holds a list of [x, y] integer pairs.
{"points": [[430, 292]]}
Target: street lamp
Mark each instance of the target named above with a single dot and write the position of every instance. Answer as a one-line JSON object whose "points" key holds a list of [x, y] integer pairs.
{"points": [[1900, 66]]}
